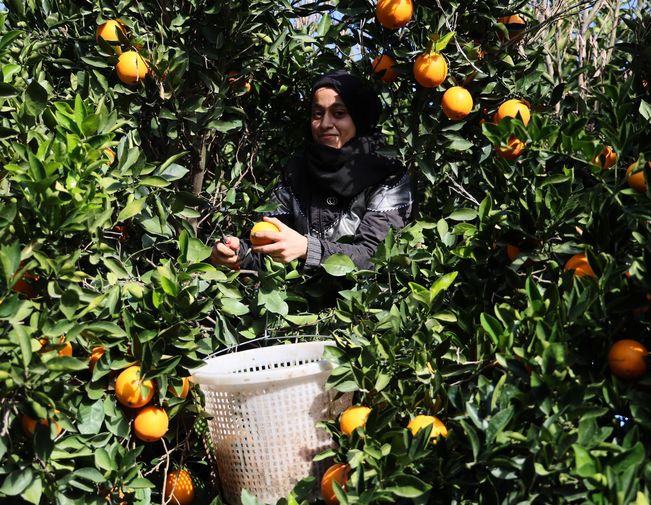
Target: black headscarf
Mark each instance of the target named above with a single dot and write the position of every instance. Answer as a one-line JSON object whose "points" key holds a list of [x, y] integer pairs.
{"points": [[358, 164]]}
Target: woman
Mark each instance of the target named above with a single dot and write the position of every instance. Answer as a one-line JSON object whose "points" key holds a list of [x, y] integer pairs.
{"points": [[342, 195]]}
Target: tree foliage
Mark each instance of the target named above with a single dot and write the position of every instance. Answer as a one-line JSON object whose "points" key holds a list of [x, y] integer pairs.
{"points": [[112, 195]]}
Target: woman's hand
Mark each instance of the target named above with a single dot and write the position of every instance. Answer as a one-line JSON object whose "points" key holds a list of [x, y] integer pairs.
{"points": [[287, 246], [226, 253]]}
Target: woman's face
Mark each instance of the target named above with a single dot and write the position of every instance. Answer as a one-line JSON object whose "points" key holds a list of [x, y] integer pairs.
{"points": [[331, 123]]}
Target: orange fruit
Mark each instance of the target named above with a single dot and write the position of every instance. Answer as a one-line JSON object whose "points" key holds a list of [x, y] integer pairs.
{"points": [[511, 108], [336, 473], [128, 388], [151, 423], [185, 389], [260, 227], [636, 180], [95, 354], [627, 359], [606, 158], [419, 422], [24, 285], [237, 83], [394, 14], [430, 70], [383, 65], [512, 251], [131, 68], [179, 489], [512, 150], [353, 418], [456, 102], [29, 424], [109, 31], [515, 25], [66, 350], [579, 263]]}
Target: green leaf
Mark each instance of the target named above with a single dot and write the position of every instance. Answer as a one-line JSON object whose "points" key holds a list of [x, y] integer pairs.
{"points": [[89, 473], [35, 98], [274, 302], [463, 215], [585, 464], [338, 265], [440, 43], [442, 283], [498, 422], [409, 486], [645, 109], [103, 460], [17, 481], [33, 492], [492, 326], [197, 250], [234, 307], [225, 126], [90, 418], [133, 208]]}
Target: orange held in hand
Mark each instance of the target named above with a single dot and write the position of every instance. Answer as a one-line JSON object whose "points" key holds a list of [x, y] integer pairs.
{"points": [[430, 70], [151, 424], [511, 108], [260, 227], [627, 359], [131, 68], [128, 388], [419, 422], [383, 65], [336, 473], [179, 489], [636, 180], [393, 14], [579, 263], [353, 418], [456, 102]]}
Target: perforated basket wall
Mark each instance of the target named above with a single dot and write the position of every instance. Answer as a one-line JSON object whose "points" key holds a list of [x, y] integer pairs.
{"points": [[265, 404]]}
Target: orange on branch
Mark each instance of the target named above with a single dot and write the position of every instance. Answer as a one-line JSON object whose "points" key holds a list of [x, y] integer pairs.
{"points": [[151, 423], [430, 69], [185, 389], [515, 24], [456, 102], [512, 251], [131, 68], [128, 388], [511, 108], [512, 150], [179, 489], [336, 473], [393, 14], [29, 424], [579, 263], [606, 158], [635, 179], [383, 66], [627, 359], [95, 355], [109, 31], [353, 418], [237, 83], [262, 226], [421, 421]]}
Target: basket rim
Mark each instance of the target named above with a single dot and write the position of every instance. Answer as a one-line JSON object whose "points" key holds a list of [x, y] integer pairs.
{"points": [[206, 374]]}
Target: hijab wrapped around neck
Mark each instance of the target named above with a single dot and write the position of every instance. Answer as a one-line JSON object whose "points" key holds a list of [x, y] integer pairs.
{"points": [[359, 164]]}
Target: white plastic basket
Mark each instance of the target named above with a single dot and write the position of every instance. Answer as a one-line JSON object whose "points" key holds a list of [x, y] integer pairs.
{"points": [[265, 404]]}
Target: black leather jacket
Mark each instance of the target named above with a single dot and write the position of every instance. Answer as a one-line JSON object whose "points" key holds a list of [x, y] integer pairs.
{"points": [[353, 226]]}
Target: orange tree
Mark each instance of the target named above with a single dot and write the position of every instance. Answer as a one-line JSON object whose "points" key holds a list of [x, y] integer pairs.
{"points": [[113, 191]]}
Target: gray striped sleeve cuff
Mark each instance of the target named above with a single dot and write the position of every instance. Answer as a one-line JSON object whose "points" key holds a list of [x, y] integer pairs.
{"points": [[314, 252]]}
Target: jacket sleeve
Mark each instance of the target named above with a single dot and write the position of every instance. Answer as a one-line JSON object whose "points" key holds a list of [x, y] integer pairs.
{"points": [[280, 196], [387, 206]]}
